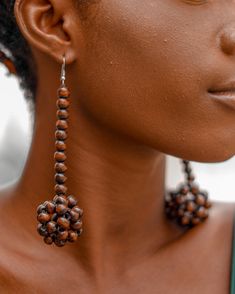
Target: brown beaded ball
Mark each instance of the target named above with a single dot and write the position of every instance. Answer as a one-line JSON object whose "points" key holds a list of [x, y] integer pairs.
{"points": [[187, 208], [60, 220], [188, 205]]}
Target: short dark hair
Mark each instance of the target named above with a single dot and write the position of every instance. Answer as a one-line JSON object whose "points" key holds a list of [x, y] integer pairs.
{"points": [[13, 44]]}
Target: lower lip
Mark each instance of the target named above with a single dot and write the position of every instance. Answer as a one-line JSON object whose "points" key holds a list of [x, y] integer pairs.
{"points": [[227, 98]]}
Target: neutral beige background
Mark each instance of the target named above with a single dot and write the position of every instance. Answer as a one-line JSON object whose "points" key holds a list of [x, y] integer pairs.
{"points": [[15, 136]]}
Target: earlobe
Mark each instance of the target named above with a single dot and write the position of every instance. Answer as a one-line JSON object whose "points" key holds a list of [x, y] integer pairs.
{"points": [[42, 23]]}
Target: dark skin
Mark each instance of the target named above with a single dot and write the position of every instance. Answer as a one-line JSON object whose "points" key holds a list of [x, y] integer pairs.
{"points": [[139, 72]]}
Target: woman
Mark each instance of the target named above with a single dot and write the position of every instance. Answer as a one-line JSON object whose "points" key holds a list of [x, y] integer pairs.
{"points": [[147, 78]]}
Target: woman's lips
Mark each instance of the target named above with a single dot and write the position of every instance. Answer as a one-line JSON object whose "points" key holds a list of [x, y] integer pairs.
{"points": [[224, 96]]}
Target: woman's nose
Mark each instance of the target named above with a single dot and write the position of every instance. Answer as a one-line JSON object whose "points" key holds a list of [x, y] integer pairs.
{"points": [[227, 39]]}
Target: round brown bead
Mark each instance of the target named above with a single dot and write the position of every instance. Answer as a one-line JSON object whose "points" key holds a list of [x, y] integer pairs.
{"points": [[41, 208], [60, 167], [179, 199], [71, 201], [63, 235], [51, 227], [50, 207], [60, 145], [43, 217], [72, 236], [201, 212], [60, 200], [191, 206], [196, 220], [42, 230], [60, 189], [60, 156], [62, 114], [48, 240], [61, 135], [63, 103], [61, 208], [184, 190], [185, 220], [200, 199], [195, 190], [63, 92], [78, 210], [62, 124], [74, 216], [60, 178], [63, 222], [77, 225], [59, 243]]}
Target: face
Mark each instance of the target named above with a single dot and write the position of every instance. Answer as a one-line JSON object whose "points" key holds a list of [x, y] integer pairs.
{"points": [[146, 70]]}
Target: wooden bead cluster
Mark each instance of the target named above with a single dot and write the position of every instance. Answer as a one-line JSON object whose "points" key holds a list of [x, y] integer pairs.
{"points": [[188, 206], [60, 219]]}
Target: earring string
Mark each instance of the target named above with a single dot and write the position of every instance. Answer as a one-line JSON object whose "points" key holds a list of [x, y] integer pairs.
{"points": [[62, 75]]}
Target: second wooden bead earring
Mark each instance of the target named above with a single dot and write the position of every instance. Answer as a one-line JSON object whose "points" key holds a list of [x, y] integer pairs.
{"points": [[60, 220]]}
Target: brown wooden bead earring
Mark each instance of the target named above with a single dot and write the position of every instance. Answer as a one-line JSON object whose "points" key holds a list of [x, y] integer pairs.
{"points": [[60, 219], [188, 206]]}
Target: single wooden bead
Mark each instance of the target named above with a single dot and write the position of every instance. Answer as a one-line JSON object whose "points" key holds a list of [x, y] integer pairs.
{"points": [[63, 222], [60, 167], [43, 217], [196, 220], [78, 210], [60, 200], [63, 92], [51, 227], [63, 235], [179, 199], [59, 243], [50, 207], [60, 145], [61, 209], [77, 225], [185, 220], [74, 216], [48, 240], [191, 206], [201, 212], [60, 189], [60, 156], [180, 212], [200, 199], [41, 208], [191, 178], [71, 201], [42, 230], [60, 178], [63, 103], [62, 124], [72, 236], [184, 190], [62, 114], [195, 190], [61, 135]]}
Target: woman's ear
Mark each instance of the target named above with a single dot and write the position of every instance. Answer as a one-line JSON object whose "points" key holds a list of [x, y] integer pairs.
{"points": [[50, 26]]}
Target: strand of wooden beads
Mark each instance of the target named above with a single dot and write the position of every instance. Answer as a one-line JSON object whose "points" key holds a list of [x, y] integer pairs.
{"points": [[60, 219]]}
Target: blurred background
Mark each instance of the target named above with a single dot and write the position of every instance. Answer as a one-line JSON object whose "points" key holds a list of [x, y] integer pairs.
{"points": [[16, 133]]}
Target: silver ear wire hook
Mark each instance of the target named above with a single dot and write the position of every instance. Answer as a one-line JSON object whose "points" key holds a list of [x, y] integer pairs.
{"points": [[62, 76]]}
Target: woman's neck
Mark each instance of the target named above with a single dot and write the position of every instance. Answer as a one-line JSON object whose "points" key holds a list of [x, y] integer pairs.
{"points": [[119, 183]]}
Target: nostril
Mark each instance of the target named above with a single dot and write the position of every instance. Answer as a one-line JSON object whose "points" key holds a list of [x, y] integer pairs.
{"points": [[227, 40]]}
